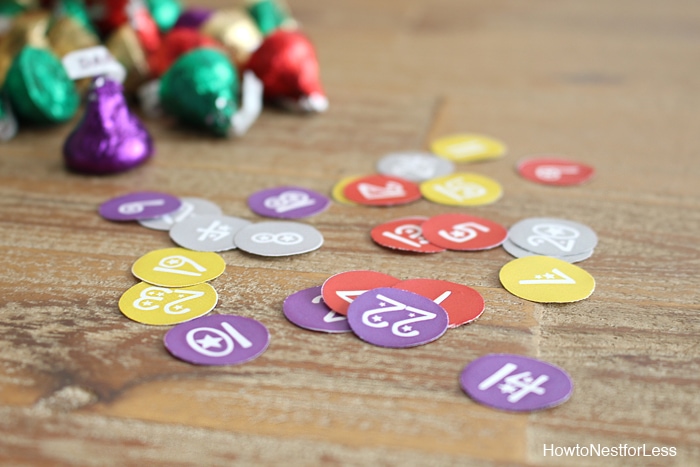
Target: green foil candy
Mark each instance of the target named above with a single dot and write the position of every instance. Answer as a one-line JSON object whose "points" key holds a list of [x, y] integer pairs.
{"points": [[11, 7], [268, 15], [165, 13], [201, 89], [76, 10], [39, 88]]}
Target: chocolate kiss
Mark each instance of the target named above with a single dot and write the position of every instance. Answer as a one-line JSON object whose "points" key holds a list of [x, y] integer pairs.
{"points": [[109, 138]]}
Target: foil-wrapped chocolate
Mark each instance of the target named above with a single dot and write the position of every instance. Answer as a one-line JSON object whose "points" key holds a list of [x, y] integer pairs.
{"points": [[176, 43], [39, 88], [124, 45], [69, 31], [109, 138], [270, 15], [286, 63], [193, 18], [165, 13], [133, 36], [25, 29], [201, 89], [236, 30]]}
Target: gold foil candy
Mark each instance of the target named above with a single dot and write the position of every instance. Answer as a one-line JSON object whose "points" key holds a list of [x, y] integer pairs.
{"points": [[66, 35], [27, 29], [236, 30], [124, 45]]}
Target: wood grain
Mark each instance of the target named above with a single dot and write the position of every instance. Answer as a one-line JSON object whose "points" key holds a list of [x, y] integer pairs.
{"points": [[613, 84]]}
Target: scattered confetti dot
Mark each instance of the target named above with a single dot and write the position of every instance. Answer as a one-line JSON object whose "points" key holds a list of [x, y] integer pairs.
{"points": [[555, 171], [207, 232], [515, 383], [396, 318], [278, 238], [288, 202], [307, 310], [414, 166], [139, 205], [341, 289], [149, 304], [468, 148], [190, 207], [462, 304], [178, 267], [404, 234], [463, 232], [218, 340], [553, 237], [545, 279], [462, 189], [381, 190]]}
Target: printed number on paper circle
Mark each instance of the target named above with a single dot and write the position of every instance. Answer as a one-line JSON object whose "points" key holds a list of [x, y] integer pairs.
{"points": [[468, 148], [404, 234], [140, 205], [340, 290], [178, 267], [150, 304], [462, 232], [307, 310], [462, 304], [545, 279], [389, 317], [218, 340], [515, 383], [462, 189], [381, 190]]}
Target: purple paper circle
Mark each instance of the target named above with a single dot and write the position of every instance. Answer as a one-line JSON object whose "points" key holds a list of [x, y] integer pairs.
{"points": [[515, 383], [288, 202], [396, 318], [218, 340], [139, 205], [307, 310]]}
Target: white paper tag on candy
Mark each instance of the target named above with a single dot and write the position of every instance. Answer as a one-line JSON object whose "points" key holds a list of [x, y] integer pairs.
{"points": [[251, 104], [149, 98], [91, 62], [8, 124], [5, 23]]}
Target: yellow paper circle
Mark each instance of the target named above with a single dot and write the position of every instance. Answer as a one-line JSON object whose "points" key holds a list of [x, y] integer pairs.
{"points": [[151, 304], [178, 267], [545, 279], [468, 148], [338, 188], [462, 189]]}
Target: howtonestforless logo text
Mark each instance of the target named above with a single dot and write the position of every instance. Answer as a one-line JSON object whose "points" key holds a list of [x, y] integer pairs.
{"points": [[598, 450]]}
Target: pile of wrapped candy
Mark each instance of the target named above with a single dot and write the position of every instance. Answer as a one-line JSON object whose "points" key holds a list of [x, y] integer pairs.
{"points": [[211, 70]]}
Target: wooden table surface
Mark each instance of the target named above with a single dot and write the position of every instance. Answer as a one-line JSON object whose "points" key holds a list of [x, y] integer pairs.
{"points": [[610, 83]]}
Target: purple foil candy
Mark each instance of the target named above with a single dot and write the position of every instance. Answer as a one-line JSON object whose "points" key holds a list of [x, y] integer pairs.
{"points": [[515, 383], [218, 340], [109, 138], [307, 310], [193, 18], [396, 318]]}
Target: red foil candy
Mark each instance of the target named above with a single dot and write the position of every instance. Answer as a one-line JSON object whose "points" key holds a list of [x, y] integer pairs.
{"points": [[109, 15], [286, 63], [176, 43], [146, 30]]}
